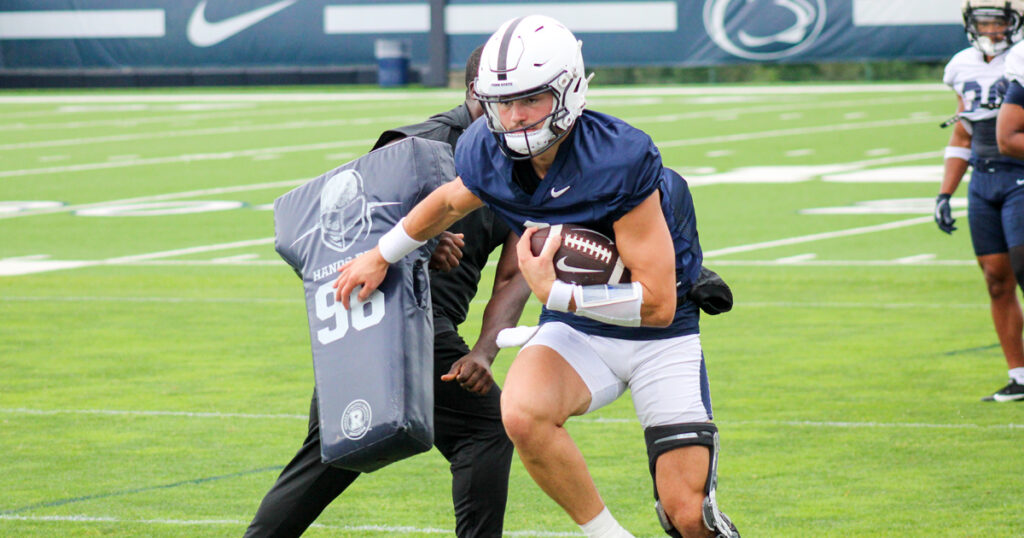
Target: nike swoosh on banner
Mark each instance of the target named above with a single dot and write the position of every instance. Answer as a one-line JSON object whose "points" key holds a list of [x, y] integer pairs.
{"points": [[203, 33], [559, 192], [568, 268]]}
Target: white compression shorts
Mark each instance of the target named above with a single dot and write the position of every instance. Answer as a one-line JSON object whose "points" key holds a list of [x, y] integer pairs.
{"points": [[663, 375]]}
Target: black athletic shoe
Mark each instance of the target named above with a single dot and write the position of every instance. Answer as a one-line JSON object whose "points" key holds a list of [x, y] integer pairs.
{"points": [[1013, 391]]}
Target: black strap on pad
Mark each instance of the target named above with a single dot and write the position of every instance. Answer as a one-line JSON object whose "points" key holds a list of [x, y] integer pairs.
{"points": [[661, 439]]}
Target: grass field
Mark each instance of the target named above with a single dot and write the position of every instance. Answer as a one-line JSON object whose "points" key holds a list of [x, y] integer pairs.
{"points": [[155, 369]]}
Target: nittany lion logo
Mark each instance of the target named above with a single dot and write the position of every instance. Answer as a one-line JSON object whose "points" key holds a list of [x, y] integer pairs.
{"points": [[764, 29], [355, 421]]}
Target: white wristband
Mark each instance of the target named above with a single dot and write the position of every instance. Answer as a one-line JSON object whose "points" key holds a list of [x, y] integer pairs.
{"points": [[395, 244], [560, 295], [957, 152]]}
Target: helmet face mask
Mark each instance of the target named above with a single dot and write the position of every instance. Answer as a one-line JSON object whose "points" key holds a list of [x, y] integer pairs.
{"points": [[993, 26], [528, 140], [529, 56]]}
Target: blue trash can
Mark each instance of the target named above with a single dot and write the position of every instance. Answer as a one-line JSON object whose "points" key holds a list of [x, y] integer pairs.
{"points": [[392, 62]]}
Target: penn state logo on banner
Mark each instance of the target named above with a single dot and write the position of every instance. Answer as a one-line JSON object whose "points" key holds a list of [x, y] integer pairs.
{"points": [[346, 216], [356, 419], [764, 29]]}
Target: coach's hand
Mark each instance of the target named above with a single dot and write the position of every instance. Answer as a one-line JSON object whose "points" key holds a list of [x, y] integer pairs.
{"points": [[448, 252], [944, 214], [367, 270], [473, 372]]}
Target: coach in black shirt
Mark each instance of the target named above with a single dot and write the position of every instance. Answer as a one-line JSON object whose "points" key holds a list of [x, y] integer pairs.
{"points": [[467, 414]]}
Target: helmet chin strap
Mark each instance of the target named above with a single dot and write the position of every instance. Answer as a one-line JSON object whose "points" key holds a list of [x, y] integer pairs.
{"points": [[989, 47], [531, 142]]}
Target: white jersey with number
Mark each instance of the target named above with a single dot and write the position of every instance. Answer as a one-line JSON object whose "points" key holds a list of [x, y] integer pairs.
{"points": [[979, 83]]}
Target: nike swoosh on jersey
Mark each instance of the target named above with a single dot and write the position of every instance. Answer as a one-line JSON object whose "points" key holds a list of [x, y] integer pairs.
{"points": [[559, 192], [1020, 181], [203, 33], [570, 269]]}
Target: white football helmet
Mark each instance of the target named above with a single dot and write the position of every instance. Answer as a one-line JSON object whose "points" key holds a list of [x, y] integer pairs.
{"points": [[528, 56], [1009, 12]]}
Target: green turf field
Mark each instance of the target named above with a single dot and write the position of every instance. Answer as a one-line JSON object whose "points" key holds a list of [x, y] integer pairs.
{"points": [[155, 370]]}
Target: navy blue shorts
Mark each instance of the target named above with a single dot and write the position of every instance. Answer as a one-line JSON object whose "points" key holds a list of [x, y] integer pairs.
{"points": [[995, 207]]}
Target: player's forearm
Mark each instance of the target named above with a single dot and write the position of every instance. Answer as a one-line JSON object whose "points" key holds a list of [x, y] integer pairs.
{"points": [[659, 307], [953, 173], [503, 310], [439, 210]]}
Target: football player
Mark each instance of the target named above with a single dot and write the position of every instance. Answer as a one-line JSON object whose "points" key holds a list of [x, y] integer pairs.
{"points": [[996, 192], [538, 157]]}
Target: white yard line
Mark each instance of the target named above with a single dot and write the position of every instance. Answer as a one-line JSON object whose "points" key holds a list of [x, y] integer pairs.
{"points": [[820, 236], [573, 420], [451, 95], [210, 131], [187, 158], [367, 143], [796, 131], [287, 184], [785, 262], [376, 529]]}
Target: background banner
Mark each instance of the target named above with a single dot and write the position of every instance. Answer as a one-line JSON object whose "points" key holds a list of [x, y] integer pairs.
{"points": [[154, 34]]}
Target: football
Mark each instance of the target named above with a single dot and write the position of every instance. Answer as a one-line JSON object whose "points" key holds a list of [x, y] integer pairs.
{"points": [[586, 257]]}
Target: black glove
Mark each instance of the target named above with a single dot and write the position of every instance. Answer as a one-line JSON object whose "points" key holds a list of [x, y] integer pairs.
{"points": [[943, 214], [711, 293]]}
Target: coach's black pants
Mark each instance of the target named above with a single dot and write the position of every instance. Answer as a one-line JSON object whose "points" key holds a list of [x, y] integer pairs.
{"points": [[467, 431]]}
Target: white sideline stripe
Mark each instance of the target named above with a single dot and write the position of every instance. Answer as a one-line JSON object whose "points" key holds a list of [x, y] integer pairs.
{"points": [[827, 235], [214, 522], [82, 24], [572, 420], [162, 197], [184, 158], [717, 90]]}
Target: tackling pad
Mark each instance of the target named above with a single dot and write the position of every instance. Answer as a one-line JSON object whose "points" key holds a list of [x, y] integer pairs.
{"points": [[374, 364]]}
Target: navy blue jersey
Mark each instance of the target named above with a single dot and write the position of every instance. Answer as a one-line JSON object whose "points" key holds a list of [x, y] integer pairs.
{"points": [[603, 169]]}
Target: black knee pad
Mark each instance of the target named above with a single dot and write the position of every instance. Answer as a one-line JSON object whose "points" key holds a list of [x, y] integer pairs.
{"points": [[661, 439]]}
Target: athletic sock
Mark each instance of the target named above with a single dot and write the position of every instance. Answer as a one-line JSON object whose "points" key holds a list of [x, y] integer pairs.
{"points": [[604, 526], [1017, 374]]}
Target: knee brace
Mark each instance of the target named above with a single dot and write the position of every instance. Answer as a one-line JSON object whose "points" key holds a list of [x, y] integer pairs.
{"points": [[661, 439]]}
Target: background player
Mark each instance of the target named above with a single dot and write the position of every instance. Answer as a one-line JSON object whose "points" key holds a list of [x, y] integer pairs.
{"points": [[995, 198], [467, 416], [540, 158]]}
